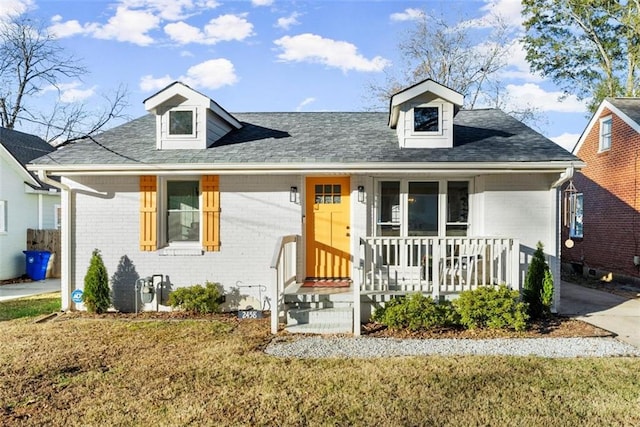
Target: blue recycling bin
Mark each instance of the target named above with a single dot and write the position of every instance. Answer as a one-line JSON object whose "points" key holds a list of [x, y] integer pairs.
{"points": [[37, 262]]}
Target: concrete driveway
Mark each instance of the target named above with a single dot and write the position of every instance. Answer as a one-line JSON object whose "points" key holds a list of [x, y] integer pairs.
{"points": [[605, 310], [21, 290]]}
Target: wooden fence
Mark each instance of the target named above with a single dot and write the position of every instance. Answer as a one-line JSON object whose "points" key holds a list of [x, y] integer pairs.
{"points": [[46, 240]]}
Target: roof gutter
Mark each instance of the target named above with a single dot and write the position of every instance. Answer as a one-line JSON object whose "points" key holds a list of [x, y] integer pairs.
{"points": [[43, 177], [566, 176], [300, 168]]}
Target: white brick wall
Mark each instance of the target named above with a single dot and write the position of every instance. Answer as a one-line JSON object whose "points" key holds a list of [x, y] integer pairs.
{"points": [[255, 212]]}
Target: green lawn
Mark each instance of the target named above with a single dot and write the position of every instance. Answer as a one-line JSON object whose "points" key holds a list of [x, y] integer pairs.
{"points": [[30, 307], [106, 371]]}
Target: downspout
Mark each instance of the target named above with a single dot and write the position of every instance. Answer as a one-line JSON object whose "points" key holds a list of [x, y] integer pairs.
{"points": [[65, 234], [564, 177]]}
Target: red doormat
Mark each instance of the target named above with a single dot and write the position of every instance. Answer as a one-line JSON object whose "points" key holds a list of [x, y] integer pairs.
{"points": [[326, 283]]}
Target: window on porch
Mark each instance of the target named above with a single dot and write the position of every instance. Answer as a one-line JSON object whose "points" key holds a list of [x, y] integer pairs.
{"points": [[422, 208]]}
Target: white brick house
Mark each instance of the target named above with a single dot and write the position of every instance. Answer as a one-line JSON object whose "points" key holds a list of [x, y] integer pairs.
{"points": [[426, 198]]}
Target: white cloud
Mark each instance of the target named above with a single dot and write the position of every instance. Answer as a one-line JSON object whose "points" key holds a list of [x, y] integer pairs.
{"points": [[133, 20], [315, 49], [566, 140], [71, 92], [211, 74], [11, 8], [409, 14], [128, 26], [509, 11], [149, 83], [65, 29], [517, 65], [171, 10], [286, 22], [262, 2], [532, 95], [304, 103], [222, 28]]}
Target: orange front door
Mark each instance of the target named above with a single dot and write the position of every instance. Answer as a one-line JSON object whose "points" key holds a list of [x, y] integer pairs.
{"points": [[328, 229]]}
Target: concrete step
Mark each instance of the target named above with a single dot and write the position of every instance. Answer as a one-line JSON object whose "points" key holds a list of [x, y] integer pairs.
{"points": [[320, 320]]}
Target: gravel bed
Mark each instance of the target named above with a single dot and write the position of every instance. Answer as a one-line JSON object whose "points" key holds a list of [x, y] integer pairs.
{"points": [[367, 347]]}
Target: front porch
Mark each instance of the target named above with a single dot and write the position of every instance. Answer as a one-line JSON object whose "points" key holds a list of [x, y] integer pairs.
{"points": [[385, 267]]}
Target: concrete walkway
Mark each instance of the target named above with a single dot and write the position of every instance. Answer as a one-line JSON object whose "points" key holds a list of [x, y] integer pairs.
{"points": [[605, 310], [21, 290]]}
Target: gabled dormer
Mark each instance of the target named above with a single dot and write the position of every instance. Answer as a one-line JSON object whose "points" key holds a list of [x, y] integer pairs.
{"points": [[187, 119], [423, 115]]}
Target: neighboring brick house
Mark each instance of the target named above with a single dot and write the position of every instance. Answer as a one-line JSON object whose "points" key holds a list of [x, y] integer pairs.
{"points": [[428, 198], [609, 244]]}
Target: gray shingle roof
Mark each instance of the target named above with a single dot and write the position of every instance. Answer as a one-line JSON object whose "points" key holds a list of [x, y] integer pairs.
{"points": [[24, 147], [629, 106], [479, 136]]}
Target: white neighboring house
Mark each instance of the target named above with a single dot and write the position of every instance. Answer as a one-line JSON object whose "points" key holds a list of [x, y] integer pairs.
{"points": [[426, 198], [25, 202]]}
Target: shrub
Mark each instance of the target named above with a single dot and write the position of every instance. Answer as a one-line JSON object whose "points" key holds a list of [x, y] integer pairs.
{"points": [[416, 312], [534, 293], [492, 307], [197, 299], [96, 285]]}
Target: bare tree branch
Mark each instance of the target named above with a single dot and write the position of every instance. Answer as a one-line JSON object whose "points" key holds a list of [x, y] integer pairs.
{"points": [[32, 62]]}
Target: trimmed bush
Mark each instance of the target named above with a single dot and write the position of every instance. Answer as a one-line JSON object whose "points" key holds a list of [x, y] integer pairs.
{"points": [[492, 307], [96, 285], [416, 312], [538, 277], [197, 299]]}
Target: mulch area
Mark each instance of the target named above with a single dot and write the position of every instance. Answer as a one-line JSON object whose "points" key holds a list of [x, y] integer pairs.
{"points": [[555, 326], [552, 327]]}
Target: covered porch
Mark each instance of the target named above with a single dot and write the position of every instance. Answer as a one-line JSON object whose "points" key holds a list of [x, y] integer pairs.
{"points": [[384, 267]]}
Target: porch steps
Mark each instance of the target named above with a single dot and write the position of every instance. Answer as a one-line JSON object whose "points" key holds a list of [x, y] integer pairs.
{"points": [[318, 320]]}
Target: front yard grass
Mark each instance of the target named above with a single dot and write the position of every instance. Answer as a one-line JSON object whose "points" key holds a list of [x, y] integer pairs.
{"points": [[104, 371], [30, 306]]}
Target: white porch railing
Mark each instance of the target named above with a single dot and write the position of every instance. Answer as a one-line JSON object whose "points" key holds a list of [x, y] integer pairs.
{"points": [[437, 265], [284, 265]]}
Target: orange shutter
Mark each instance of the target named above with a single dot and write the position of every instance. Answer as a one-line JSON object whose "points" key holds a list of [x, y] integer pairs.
{"points": [[210, 185], [148, 213]]}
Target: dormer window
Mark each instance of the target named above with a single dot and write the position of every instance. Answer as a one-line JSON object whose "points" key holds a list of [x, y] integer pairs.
{"points": [[426, 119], [182, 123]]}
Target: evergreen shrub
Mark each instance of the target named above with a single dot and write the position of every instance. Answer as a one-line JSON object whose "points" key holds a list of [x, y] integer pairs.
{"points": [[96, 295], [197, 298], [492, 307], [416, 312]]}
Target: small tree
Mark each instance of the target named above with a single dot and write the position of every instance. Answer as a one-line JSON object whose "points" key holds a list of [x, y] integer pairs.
{"points": [[96, 285], [538, 285]]}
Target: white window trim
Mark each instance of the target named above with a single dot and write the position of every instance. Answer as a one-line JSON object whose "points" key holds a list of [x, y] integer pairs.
{"points": [[601, 134], [4, 214], [57, 216], [442, 203], [176, 248], [167, 118], [413, 117]]}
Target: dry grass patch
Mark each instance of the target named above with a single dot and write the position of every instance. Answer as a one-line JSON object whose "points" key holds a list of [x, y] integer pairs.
{"points": [[104, 371]]}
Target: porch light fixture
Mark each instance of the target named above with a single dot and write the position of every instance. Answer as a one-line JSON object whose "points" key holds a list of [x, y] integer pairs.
{"points": [[361, 193], [293, 194]]}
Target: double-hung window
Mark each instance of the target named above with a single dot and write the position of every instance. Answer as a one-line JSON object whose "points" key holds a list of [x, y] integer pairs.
{"points": [[183, 211], [605, 133], [179, 212]]}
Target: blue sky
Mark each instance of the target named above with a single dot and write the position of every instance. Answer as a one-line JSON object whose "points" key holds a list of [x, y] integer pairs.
{"points": [[269, 55]]}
